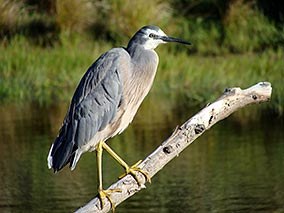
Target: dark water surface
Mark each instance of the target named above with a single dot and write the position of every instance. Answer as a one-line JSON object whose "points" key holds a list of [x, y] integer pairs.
{"points": [[237, 166]]}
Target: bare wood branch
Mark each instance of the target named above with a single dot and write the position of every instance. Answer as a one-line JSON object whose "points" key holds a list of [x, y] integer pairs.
{"points": [[231, 100]]}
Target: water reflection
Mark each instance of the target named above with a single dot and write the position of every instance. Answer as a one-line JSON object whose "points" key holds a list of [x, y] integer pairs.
{"points": [[238, 166]]}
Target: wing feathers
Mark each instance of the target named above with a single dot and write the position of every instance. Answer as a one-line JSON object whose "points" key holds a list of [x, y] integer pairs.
{"points": [[93, 106]]}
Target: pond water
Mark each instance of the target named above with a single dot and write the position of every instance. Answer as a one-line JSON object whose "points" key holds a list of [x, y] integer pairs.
{"points": [[237, 166]]}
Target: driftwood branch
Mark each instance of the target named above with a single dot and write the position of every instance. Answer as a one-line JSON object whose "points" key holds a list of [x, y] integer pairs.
{"points": [[231, 100]]}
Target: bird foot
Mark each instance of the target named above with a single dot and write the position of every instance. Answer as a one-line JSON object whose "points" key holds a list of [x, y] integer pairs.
{"points": [[106, 194], [132, 171]]}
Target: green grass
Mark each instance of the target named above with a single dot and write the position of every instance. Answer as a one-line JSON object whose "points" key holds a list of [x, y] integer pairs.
{"points": [[202, 79], [31, 73]]}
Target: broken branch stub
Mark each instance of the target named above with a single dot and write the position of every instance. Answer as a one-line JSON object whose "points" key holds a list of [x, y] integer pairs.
{"points": [[231, 100]]}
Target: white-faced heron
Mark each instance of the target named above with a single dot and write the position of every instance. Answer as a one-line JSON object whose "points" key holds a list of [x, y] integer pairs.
{"points": [[105, 102]]}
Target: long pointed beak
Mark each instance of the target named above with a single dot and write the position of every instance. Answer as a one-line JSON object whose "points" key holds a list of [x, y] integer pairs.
{"points": [[172, 39]]}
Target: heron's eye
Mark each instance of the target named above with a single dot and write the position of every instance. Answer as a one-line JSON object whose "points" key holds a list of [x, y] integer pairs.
{"points": [[152, 35]]}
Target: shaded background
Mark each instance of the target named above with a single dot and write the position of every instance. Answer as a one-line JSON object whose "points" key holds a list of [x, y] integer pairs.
{"points": [[45, 48]]}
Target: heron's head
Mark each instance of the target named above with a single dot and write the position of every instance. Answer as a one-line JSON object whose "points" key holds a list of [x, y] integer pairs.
{"points": [[151, 36]]}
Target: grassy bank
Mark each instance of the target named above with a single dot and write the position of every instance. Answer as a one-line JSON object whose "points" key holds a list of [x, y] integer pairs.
{"points": [[48, 45], [32, 73]]}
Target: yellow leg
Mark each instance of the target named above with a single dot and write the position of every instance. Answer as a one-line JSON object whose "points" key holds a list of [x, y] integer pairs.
{"points": [[103, 193], [128, 170]]}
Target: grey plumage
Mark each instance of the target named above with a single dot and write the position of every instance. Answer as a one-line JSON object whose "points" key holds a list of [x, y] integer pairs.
{"points": [[93, 106], [108, 96]]}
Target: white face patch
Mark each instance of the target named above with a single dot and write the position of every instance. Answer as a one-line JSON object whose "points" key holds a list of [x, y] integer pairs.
{"points": [[152, 43]]}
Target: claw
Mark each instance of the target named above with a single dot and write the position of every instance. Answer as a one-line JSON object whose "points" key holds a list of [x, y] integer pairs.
{"points": [[132, 171], [106, 194]]}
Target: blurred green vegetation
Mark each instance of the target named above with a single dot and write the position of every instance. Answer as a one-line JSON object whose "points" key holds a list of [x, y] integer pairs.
{"points": [[47, 45]]}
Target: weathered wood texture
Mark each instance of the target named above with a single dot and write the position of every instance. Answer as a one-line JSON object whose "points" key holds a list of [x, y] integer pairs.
{"points": [[231, 100]]}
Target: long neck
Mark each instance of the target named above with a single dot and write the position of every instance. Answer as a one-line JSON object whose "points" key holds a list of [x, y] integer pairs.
{"points": [[144, 66], [139, 79], [145, 62]]}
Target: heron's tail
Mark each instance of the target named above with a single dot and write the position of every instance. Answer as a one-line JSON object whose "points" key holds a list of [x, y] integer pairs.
{"points": [[62, 151]]}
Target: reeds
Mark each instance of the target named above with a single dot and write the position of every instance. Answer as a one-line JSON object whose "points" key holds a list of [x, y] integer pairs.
{"points": [[29, 73]]}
